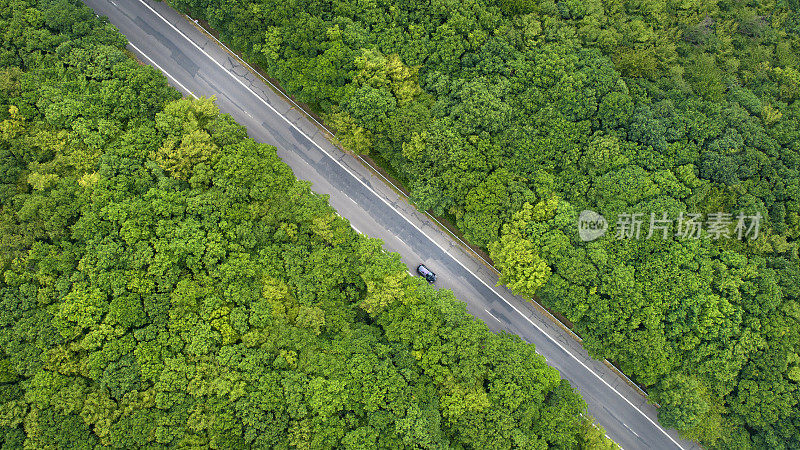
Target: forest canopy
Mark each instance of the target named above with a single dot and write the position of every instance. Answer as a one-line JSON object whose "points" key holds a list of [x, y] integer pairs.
{"points": [[166, 281], [509, 117]]}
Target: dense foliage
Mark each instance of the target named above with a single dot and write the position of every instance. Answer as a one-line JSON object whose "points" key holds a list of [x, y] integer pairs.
{"points": [[166, 281], [509, 116]]}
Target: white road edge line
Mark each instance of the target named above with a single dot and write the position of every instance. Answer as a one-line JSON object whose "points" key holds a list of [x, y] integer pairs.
{"points": [[159, 68], [620, 447], [409, 222]]}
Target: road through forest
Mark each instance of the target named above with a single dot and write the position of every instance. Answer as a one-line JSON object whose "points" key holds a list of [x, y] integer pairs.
{"points": [[198, 66]]}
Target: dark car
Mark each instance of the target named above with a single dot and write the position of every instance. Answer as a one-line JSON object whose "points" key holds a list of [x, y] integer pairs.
{"points": [[425, 272]]}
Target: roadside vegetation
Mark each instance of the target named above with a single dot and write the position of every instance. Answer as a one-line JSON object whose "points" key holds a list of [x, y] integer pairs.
{"points": [[510, 117], [167, 282]]}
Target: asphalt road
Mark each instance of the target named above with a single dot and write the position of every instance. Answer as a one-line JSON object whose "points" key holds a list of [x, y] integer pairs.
{"points": [[196, 65]]}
